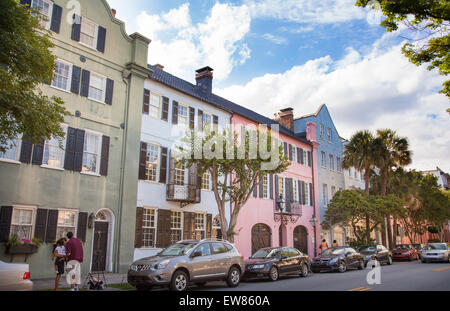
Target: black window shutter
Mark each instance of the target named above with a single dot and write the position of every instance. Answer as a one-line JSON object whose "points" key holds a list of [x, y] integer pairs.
{"points": [[216, 123], [174, 112], [85, 79], [5, 222], [301, 156], [52, 224], [271, 186], [163, 232], [76, 28], [70, 149], [38, 154], [109, 91], [289, 194], [255, 192], [304, 193], [146, 104], [105, 156], [76, 78], [142, 161], [285, 149], [261, 187], [41, 223], [82, 226], [55, 24], [165, 109], [300, 192], [191, 118], [290, 152], [138, 228], [25, 151], [311, 195], [309, 158], [200, 119], [101, 39], [276, 187], [163, 169], [78, 154]]}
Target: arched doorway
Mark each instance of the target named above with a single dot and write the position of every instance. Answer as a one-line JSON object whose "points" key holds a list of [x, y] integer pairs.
{"points": [[102, 239], [301, 239], [261, 237]]}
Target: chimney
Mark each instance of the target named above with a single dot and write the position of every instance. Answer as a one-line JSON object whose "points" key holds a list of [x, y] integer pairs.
{"points": [[204, 79], [286, 118], [159, 66], [114, 12]]}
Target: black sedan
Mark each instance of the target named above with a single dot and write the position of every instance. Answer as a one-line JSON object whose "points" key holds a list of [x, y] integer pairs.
{"points": [[337, 259], [275, 262], [375, 252]]}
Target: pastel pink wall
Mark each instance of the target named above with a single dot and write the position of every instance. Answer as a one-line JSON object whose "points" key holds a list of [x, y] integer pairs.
{"points": [[261, 211]]}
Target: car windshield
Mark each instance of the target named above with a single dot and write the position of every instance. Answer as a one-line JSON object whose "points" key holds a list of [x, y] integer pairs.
{"points": [[266, 253], [402, 246], [333, 251], [177, 249], [367, 248], [436, 246]]}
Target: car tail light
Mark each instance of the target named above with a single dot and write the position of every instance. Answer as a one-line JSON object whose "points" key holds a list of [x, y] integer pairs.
{"points": [[26, 276]]}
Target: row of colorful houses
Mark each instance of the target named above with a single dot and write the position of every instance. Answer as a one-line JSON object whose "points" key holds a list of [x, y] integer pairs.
{"points": [[114, 182]]}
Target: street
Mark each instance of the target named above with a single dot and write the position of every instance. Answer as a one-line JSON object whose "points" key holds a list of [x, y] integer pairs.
{"points": [[401, 276]]}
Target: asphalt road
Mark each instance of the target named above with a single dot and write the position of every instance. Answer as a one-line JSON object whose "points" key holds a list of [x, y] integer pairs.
{"points": [[401, 276]]}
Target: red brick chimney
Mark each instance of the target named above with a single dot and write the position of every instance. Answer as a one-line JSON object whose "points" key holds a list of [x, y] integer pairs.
{"points": [[114, 12], [286, 118], [159, 66]]}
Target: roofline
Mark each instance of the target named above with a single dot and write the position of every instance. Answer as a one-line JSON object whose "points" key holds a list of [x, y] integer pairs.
{"points": [[311, 114]]}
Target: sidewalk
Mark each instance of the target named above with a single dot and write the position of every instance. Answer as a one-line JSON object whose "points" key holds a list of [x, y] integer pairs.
{"points": [[49, 284]]}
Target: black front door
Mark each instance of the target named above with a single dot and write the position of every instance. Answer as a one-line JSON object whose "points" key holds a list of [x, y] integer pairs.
{"points": [[100, 246], [301, 239]]}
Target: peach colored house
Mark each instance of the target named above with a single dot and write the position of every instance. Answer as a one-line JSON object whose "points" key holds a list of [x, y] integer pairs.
{"points": [[259, 223]]}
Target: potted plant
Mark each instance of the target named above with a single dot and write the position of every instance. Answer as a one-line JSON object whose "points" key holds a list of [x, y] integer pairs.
{"points": [[16, 246]]}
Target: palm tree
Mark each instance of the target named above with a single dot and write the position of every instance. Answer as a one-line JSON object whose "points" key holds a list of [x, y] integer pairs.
{"points": [[361, 154], [393, 152]]}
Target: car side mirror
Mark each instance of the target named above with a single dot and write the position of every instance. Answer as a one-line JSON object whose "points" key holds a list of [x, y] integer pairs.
{"points": [[196, 254]]}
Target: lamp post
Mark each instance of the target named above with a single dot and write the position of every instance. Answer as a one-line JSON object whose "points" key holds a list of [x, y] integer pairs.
{"points": [[281, 204], [313, 222]]}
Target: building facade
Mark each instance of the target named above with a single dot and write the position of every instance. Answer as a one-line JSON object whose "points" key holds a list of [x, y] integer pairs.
{"points": [[87, 182]]}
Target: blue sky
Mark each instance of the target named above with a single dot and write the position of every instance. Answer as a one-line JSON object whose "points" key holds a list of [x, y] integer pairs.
{"points": [[272, 54]]}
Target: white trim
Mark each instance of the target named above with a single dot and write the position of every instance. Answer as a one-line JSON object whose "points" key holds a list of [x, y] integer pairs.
{"points": [[33, 217], [83, 18], [159, 108], [75, 231], [69, 77], [10, 161], [98, 152], [104, 78]]}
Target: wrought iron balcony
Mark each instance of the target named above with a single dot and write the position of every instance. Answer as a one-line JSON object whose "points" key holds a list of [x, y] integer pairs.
{"points": [[291, 213], [184, 193]]}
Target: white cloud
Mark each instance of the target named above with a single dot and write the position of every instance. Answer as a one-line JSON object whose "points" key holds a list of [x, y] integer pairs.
{"points": [[380, 89], [275, 39]]}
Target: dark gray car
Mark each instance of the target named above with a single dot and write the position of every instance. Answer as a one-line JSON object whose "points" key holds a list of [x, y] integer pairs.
{"points": [[187, 262]]}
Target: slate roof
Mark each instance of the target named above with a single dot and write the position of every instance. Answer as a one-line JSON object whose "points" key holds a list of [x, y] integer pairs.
{"points": [[220, 102]]}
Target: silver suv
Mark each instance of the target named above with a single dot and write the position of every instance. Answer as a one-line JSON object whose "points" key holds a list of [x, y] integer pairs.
{"points": [[186, 262]]}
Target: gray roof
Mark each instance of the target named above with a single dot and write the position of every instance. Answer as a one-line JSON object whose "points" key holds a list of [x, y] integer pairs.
{"points": [[220, 102]]}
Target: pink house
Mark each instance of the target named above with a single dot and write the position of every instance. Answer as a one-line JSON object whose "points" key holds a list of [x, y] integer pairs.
{"points": [[260, 222]]}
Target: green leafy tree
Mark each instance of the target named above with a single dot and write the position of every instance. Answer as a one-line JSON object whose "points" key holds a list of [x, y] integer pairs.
{"points": [[235, 174], [25, 62], [431, 19]]}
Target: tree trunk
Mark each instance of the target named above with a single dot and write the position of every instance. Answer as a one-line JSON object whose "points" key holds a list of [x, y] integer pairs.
{"points": [[383, 233], [389, 231]]}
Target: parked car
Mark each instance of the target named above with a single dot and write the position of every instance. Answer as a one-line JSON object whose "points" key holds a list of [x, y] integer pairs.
{"points": [[337, 259], [419, 248], [15, 277], [275, 262], [375, 252], [436, 252], [404, 252], [188, 262]]}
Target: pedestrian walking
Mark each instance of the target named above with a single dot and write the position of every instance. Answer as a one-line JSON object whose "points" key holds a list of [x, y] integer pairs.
{"points": [[74, 250], [334, 243], [323, 245], [59, 252]]}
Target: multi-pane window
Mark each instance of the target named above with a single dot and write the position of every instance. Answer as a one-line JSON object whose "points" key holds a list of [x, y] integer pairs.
{"points": [[155, 106], [329, 135], [97, 87], [331, 162], [280, 186], [307, 203], [12, 150], [338, 164], [91, 153], [321, 131], [54, 151], [179, 173], [294, 153], [295, 190], [207, 121], [324, 163], [200, 226], [265, 183], [305, 157], [44, 10], [62, 75], [176, 232], [325, 194], [216, 232], [22, 222], [183, 116], [88, 33], [148, 227], [66, 223], [151, 163], [206, 181]]}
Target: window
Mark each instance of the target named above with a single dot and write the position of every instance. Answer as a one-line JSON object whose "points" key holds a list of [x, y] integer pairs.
{"points": [[200, 226], [97, 87], [12, 152], [294, 153], [151, 163], [206, 181], [324, 162], [91, 153], [295, 190], [218, 248], [22, 222], [325, 194], [305, 157], [361, 175], [89, 32], [356, 173], [265, 187], [349, 172], [338, 164], [148, 227], [45, 12], [176, 233], [54, 151], [331, 162], [307, 203], [321, 131], [329, 135], [179, 173], [216, 232], [207, 121], [183, 116], [333, 191], [155, 106], [204, 249], [281, 186], [62, 75], [66, 223]]}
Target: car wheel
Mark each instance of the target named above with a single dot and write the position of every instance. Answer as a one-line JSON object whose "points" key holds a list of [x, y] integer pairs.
{"points": [[304, 270], [389, 261], [342, 267], [179, 281], [234, 277], [273, 274], [361, 265]]}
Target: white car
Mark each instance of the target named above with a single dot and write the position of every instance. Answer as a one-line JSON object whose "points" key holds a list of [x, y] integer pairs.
{"points": [[15, 277], [435, 252]]}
